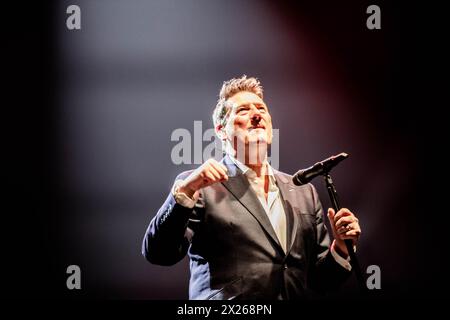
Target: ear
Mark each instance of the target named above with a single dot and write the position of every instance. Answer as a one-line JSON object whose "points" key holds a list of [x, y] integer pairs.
{"points": [[220, 131]]}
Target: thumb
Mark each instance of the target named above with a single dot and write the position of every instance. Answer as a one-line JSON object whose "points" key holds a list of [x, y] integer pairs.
{"points": [[330, 215]]}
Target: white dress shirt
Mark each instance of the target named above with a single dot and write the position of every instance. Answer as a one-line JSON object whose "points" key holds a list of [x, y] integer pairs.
{"points": [[272, 205]]}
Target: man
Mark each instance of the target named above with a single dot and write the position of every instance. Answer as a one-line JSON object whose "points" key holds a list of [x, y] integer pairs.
{"points": [[250, 232]]}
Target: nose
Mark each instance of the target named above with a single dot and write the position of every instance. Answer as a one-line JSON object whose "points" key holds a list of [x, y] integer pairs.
{"points": [[256, 117], [256, 113]]}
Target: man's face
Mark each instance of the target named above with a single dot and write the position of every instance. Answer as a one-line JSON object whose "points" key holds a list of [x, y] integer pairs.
{"points": [[249, 120]]}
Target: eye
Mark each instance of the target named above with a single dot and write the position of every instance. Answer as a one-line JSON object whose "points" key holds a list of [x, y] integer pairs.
{"points": [[242, 110]]}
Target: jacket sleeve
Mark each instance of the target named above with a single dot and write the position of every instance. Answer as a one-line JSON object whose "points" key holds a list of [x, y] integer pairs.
{"points": [[327, 274], [168, 236]]}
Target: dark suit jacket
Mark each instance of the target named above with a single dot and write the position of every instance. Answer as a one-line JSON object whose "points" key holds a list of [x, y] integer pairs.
{"points": [[233, 249]]}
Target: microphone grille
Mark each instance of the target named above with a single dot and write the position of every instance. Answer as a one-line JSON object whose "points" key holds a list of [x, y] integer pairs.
{"points": [[297, 179]]}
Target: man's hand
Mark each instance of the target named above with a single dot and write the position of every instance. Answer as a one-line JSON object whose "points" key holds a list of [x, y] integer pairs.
{"points": [[344, 225], [207, 174]]}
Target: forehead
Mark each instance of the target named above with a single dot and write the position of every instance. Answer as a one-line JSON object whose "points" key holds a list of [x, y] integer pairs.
{"points": [[245, 97]]}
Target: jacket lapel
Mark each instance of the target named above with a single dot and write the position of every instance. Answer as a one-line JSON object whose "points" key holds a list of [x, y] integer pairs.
{"points": [[239, 186], [287, 195]]}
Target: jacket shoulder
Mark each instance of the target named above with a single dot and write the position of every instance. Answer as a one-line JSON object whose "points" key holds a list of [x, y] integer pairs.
{"points": [[287, 178]]}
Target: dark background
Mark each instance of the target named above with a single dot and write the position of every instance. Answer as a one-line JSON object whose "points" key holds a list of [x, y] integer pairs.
{"points": [[89, 115]]}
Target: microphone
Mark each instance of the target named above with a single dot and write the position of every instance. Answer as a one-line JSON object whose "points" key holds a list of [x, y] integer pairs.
{"points": [[320, 168]]}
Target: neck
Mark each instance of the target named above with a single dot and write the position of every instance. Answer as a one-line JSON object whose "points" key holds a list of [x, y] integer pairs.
{"points": [[260, 168], [255, 159], [253, 156]]}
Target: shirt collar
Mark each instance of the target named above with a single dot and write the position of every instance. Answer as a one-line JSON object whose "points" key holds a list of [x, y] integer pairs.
{"points": [[249, 172]]}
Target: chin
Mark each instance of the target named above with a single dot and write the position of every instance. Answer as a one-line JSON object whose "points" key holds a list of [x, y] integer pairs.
{"points": [[258, 139]]}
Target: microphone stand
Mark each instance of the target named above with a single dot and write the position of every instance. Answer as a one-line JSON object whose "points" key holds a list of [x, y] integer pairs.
{"points": [[348, 243]]}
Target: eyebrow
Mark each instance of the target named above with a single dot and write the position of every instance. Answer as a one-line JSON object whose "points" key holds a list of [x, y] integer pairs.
{"points": [[248, 104]]}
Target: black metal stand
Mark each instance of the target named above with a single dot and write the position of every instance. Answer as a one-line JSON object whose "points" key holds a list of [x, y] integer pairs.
{"points": [[348, 243]]}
